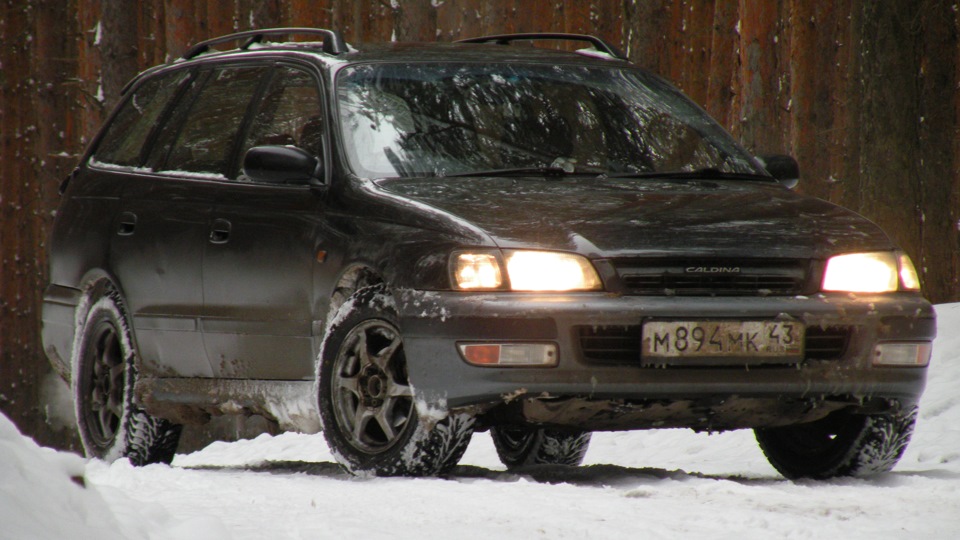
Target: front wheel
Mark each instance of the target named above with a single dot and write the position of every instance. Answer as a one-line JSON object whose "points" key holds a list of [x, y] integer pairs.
{"points": [[521, 446], [842, 444], [111, 426], [368, 407]]}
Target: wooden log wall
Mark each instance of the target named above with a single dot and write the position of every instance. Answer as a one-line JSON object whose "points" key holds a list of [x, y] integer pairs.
{"points": [[863, 93]]}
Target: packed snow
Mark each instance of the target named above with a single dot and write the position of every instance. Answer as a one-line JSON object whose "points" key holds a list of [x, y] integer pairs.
{"points": [[653, 484]]}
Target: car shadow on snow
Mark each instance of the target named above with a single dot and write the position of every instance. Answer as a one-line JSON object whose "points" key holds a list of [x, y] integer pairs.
{"points": [[589, 475], [600, 475]]}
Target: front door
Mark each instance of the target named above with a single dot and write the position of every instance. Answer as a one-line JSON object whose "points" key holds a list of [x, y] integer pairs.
{"points": [[261, 255]]}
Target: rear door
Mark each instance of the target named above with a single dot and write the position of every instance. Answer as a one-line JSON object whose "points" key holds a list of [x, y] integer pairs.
{"points": [[157, 231], [165, 218]]}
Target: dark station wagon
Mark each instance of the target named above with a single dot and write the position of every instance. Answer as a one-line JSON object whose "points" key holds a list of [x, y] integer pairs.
{"points": [[402, 244]]}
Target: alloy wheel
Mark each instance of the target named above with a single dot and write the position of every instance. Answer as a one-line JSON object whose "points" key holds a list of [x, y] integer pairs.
{"points": [[373, 400]]}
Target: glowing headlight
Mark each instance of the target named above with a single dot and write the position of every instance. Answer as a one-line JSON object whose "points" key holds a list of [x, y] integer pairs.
{"points": [[527, 271], [875, 272], [908, 274], [477, 271], [550, 271]]}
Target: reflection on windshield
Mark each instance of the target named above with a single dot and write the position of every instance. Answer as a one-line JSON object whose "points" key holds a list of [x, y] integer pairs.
{"points": [[446, 119]]}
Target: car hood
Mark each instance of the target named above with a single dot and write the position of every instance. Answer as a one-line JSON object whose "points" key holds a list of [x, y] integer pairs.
{"points": [[627, 217]]}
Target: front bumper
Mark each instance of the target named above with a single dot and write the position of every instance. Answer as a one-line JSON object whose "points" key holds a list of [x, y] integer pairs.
{"points": [[588, 392]]}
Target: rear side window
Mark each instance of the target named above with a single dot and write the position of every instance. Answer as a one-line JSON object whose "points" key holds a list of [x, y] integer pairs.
{"points": [[123, 142], [207, 138]]}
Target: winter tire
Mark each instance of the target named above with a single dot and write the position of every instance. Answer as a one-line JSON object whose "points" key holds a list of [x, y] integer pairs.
{"points": [[111, 426], [842, 444], [368, 408], [522, 446]]}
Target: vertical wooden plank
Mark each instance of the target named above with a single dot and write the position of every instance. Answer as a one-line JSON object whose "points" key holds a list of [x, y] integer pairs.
{"points": [[939, 197], [889, 133], [18, 330], [574, 17], [259, 15], [844, 135], [35, 54], [414, 20], [54, 153], [89, 62], [150, 34], [803, 103], [764, 91], [722, 70], [516, 16], [606, 21], [118, 48], [178, 16], [222, 18], [309, 13], [695, 39], [952, 240], [646, 42]]}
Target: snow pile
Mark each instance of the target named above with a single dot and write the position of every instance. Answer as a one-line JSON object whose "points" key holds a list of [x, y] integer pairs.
{"points": [[44, 495], [41, 493]]}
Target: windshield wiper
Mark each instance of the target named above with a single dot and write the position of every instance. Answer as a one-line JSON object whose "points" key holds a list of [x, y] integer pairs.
{"points": [[709, 173], [551, 171]]}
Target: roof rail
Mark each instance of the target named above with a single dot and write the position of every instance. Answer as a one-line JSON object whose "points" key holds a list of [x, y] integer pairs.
{"points": [[505, 39], [332, 41]]}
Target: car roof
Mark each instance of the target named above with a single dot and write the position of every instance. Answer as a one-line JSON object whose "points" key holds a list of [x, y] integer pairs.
{"points": [[327, 48], [469, 52], [330, 43]]}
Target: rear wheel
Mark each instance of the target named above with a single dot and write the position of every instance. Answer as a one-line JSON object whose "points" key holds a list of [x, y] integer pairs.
{"points": [[111, 426], [368, 407], [842, 444], [521, 446]]}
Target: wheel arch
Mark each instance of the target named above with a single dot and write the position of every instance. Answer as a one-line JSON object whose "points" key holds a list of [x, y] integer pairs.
{"points": [[353, 277], [97, 283]]}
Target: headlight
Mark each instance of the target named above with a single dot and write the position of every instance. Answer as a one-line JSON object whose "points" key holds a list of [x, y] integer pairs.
{"points": [[550, 271], [875, 272], [908, 274], [476, 271], [525, 270]]}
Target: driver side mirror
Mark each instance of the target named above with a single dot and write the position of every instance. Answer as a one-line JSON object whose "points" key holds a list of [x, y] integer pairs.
{"points": [[782, 167], [281, 165]]}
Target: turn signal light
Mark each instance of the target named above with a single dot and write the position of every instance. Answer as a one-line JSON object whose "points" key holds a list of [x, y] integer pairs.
{"points": [[509, 354], [902, 354]]}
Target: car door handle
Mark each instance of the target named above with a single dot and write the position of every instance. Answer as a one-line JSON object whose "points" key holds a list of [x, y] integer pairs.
{"points": [[220, 231], [127, 224]]}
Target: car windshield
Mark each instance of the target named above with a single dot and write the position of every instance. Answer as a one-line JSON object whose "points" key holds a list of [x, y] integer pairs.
{"points": [[445, 119]]}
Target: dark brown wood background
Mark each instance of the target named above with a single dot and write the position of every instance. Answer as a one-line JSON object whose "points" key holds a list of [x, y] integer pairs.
{"points": [[863, 93]]}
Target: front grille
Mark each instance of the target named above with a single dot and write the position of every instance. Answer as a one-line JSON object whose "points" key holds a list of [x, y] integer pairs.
{"points": [[617, 344], [827, 343], [621, 344], [712, 277]]}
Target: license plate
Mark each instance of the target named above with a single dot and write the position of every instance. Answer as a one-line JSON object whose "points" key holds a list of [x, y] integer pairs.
{"points": [[716, 342]]}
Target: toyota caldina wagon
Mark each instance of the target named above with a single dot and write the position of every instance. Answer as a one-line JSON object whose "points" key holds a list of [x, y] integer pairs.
{"points": [[402, 244]]}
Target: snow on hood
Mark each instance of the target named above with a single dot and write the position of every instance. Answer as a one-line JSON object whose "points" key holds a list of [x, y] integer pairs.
{"points": [[622, 217]]}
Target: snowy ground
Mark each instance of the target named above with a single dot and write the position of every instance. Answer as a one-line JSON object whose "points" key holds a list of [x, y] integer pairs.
{"points": [[657, 484]]}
